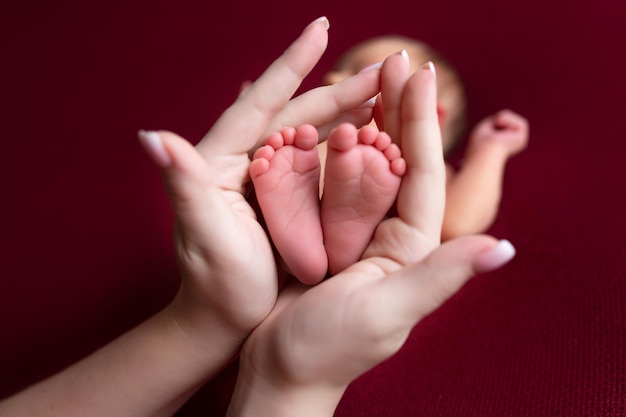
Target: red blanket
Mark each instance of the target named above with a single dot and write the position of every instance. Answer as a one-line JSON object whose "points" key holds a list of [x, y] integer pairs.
{"points": [[87, 247]]}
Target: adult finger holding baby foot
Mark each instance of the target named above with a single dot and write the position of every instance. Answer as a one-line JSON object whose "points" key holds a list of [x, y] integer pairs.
{"points": [[362, 174], [317, 340], [225, 256], [229, 281]]}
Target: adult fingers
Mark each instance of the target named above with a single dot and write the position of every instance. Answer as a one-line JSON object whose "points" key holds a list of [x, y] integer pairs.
{"points": [[358, 118], [324, 105], [421, 198], [188, 182], [241, 125], [393, 77]]}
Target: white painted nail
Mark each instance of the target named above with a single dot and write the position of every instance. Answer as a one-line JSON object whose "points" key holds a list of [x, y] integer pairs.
{"points": [[405, 55], [372, 67], [153, 144], [323, 20], [369, 103], [429, 66], [497, 256]]}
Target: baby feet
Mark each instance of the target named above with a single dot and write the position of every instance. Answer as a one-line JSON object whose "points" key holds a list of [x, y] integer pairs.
{"points": [[285, 173], [361, 181], [505, 130], [362, 178]]}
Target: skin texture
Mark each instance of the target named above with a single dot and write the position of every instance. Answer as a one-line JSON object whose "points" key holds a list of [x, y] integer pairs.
{"points": [[229, 275], [230, 279], [363, 171], [474, 190], [311, 346]]}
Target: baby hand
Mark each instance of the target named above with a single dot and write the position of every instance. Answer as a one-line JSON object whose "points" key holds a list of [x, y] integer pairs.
{"points": [[505, 129]]}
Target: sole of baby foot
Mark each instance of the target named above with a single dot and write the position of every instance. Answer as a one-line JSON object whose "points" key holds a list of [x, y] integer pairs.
{"points": [[363, 174], [285, 173]]}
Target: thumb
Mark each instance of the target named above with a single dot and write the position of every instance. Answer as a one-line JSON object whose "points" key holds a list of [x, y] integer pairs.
{"points": [[187, 178], [417, 290]]}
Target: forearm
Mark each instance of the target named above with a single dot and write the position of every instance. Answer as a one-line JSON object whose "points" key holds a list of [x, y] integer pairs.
{"points": [[149, 371]]}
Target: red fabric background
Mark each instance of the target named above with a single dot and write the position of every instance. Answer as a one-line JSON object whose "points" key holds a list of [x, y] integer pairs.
{"points": [[87, 250]]}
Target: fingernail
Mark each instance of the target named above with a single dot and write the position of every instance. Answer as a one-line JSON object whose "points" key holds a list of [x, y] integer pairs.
{"points": [[405, 55], [372, 67], [369, 103], [429, 66], [497, 256], [153, 144], [323, 20]]}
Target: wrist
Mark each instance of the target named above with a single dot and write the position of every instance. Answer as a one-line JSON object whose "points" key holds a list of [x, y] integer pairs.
{"points": [[258, 397], [486, 148], [203, 334], [201, 319]]}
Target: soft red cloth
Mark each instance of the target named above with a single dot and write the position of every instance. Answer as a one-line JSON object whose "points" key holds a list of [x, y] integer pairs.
{"points": [[87, 249]]}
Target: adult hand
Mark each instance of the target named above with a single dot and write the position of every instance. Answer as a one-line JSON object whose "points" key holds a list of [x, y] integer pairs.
{"points": [[301, 358], [228, 271], [226, 260]]}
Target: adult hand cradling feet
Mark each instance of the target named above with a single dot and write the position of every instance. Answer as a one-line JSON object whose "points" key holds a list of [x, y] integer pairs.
{"points": [[316, 340], [229, 276], [226, 259], [308, 343]]}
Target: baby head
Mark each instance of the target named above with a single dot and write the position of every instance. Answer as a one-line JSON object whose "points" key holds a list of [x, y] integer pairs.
{"points": [[451, 105]]}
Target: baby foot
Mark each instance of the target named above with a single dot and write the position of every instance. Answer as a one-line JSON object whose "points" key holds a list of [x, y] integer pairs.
{"points": [[285, 173], [362, 178], [505, 130]]}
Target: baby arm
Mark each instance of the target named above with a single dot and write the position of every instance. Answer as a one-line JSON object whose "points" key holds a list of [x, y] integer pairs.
{"points": [[474, 192]]}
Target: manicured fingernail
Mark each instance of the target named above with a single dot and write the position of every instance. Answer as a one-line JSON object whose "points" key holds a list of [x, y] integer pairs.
{"points": [[244, 86], [429, 66], [372, 67], [497, 256], [321, 20], [369, 103], [153, 144], [405, 55]]}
